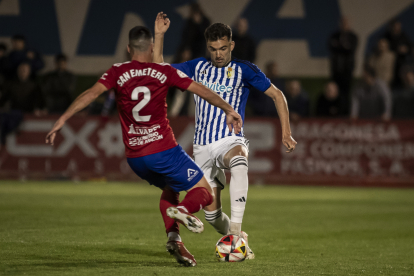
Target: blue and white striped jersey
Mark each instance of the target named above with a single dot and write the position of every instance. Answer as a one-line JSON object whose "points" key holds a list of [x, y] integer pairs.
{"points": [[232, 83]]}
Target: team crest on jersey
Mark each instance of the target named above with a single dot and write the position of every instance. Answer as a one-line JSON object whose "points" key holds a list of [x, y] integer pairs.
{"points": [[230, 73], [181, 74]]}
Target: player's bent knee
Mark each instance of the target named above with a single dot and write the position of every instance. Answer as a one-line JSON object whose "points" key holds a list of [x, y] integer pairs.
{"points": [[204, 184], [236, 151]]}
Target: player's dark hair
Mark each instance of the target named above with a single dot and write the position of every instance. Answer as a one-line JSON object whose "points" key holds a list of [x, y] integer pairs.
{"points": [[140, 38], [217, 31]]}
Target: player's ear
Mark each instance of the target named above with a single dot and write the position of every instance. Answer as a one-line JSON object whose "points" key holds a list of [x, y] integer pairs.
{"points": [[152, 47], [232, 45], [129, 49]]}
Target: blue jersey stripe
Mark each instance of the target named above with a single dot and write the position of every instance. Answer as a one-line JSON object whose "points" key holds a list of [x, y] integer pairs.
{"points": [[207, 123], [213, 119], [205, 107], [199, 113], [239, 95], [203, 103]]}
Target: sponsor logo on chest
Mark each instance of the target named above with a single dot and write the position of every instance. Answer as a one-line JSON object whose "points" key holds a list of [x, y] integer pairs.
{"points": [[219, 88]]}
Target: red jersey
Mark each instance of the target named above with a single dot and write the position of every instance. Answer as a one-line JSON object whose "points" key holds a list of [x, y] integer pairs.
{"points": [[141, 90]]}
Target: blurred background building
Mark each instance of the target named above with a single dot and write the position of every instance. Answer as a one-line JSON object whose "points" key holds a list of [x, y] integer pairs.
{"points": [[328, 40], [332, 59]]}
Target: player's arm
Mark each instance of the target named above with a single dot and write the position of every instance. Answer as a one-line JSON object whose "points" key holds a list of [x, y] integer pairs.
{"points": [[162, 23], [232, 117], [282, 109], [82, 101]]}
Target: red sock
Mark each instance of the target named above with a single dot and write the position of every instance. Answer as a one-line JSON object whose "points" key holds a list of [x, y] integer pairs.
{"points": [[196, 199], [169, 198]]}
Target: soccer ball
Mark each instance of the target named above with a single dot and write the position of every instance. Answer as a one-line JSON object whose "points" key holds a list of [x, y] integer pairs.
{"points": [[231, 248]]}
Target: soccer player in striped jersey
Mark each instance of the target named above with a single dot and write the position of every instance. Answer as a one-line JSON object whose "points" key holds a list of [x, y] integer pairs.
{"points": [[216, 148]]}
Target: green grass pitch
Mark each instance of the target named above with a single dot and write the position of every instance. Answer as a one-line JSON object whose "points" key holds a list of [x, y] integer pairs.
{"points": [[60, 228]]}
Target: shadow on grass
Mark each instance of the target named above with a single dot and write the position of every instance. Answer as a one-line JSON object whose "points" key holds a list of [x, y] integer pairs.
{"points": [[139, 251], [162, 259]]}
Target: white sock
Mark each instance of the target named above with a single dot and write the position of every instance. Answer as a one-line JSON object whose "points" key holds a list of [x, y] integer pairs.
{"points": [[239, 184], [174, 236], [219, 220], [235, 228]]}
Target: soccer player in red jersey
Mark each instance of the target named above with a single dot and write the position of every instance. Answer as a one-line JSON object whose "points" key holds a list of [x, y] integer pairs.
{"points": [[151, 149]]}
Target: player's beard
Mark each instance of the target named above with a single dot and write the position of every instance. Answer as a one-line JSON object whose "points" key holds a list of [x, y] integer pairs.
{"points": [[222, 64]]}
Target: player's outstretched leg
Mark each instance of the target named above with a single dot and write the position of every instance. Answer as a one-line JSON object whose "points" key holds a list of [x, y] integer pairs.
{"points": [[170, 198], [175, 246], [199, 196], [236, 160]]}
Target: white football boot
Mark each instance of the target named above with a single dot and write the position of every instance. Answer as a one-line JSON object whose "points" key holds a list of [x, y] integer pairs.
{"points": [[190, 221], [249, 252]]}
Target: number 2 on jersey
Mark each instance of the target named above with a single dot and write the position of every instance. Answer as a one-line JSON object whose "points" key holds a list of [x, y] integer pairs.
{"points": [[141, 104]]}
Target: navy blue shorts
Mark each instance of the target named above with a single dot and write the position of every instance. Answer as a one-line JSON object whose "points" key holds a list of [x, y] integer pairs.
{"points": [[172, 168]]}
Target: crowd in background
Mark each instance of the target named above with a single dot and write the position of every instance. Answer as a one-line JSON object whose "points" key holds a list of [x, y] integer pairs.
{"points": [[24, 91], [387, 87], [385, 91]]}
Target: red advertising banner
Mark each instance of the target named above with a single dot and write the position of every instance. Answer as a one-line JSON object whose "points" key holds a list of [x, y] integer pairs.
{"points": [[329, 152]]}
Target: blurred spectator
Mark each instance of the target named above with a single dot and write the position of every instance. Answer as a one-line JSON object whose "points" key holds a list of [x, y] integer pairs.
{"points": [[297, 100], [182, 103], [272, 72], [404, 97], [3, 56], [193, 32], [261, 104], [382, 61], [342, 47], [22, 96], [58, 86], [244, 47], [21, 53], [401, 45], [22, 93], [104, 105], [109, 105], [372, 99], [329, 103]]}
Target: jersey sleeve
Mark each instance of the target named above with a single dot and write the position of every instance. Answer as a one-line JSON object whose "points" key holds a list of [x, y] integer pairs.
{"points": [[178, 79], [255, 78], [187, 67], [109, 78]]}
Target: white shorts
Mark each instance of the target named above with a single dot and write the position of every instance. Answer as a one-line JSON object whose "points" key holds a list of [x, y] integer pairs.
{"points": [[210, 158]]}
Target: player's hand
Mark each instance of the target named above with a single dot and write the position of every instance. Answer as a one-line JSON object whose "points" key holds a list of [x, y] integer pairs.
{"points": [[289, 143], [162, 23], [50, 137], [234, 120]]}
